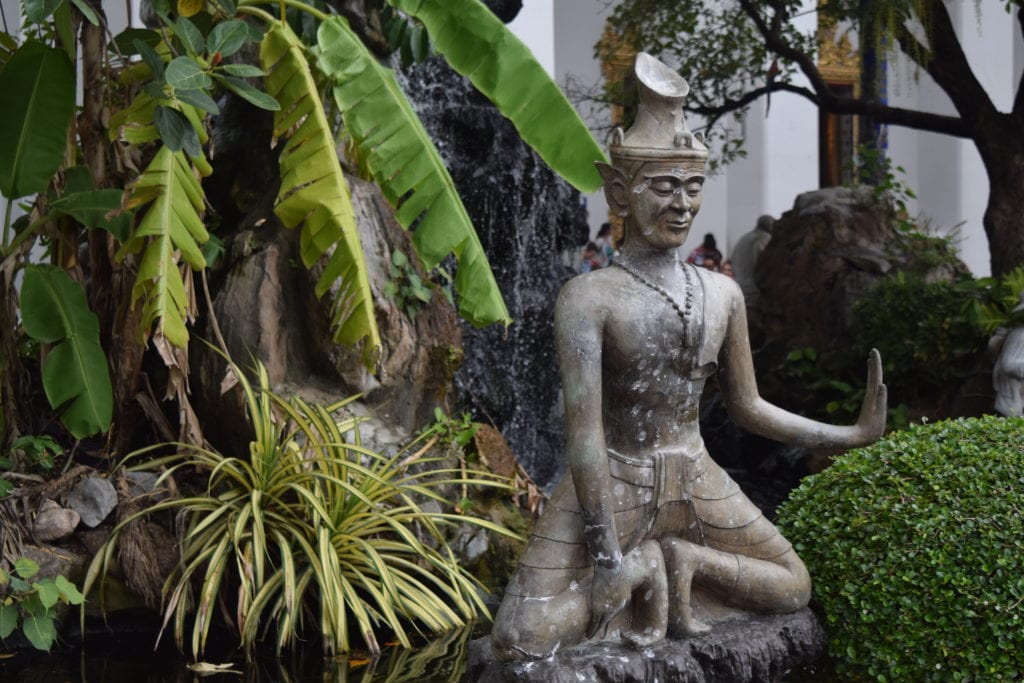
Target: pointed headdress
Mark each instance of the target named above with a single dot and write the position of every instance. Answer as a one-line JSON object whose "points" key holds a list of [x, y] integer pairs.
{"points": [[659, 132]]}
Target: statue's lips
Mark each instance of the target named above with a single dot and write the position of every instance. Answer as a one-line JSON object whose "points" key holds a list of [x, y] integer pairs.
{"points": [[677, 226]]}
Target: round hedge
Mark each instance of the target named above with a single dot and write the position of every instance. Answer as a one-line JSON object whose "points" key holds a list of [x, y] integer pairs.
{"points": [[916, 549]]}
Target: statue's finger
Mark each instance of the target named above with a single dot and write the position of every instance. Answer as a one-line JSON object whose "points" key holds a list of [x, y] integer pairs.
{"points": [[874, 368]]}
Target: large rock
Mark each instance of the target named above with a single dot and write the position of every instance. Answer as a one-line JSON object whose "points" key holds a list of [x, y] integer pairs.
{"points": [[824, 255], [267, 309], [760, 649]]}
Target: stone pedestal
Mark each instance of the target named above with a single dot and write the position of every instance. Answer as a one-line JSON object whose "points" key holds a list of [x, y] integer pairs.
{"points": [[756, 649]]}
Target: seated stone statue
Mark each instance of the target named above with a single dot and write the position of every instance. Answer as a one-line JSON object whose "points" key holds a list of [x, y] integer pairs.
{"points": [[645, 535]]}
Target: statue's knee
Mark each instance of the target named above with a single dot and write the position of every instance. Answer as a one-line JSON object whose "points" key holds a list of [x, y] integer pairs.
{"points": [[534, 628], [794, 591]]}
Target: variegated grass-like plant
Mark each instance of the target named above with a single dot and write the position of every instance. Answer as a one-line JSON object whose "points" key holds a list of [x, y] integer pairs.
{"points": [[313, 532]]}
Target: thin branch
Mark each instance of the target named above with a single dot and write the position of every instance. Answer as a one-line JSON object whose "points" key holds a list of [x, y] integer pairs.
{"points": [[829, 101], [748, 97]]}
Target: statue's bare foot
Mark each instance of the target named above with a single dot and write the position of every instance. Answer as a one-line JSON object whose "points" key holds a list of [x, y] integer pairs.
{"points": [[682, 563], [645, 570], [687, 626]]}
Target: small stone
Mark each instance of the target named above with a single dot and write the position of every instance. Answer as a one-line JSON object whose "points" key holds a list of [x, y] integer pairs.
{"points": [[141, 483], [54, 523], [93, 498]]}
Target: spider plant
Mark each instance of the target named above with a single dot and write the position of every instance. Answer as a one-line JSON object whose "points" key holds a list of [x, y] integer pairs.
{"points": [[312, 530]]}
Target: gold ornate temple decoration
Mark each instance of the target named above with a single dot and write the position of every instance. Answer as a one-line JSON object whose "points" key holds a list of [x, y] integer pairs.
{"points": [[838, 56], [839, 64], [617, 54]]}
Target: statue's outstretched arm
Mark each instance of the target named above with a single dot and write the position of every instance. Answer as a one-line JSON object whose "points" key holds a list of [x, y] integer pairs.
{"points": [[753, 413], [578, 338]]}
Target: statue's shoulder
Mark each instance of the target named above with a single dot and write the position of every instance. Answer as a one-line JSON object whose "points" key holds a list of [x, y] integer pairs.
{"points": [[723, 285], [591, 291]]}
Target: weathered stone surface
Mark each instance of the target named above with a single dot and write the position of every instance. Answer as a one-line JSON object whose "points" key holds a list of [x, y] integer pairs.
{"points": [[825, 253], [267, 310], [760, 649], [54, 523], [93, 498]]}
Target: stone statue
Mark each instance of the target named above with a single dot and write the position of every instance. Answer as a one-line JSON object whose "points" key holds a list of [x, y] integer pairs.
{"points": [[645, 535], [1007, 347]]}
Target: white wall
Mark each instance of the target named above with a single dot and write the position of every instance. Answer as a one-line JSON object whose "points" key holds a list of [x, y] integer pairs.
{"points": [[946, 172], [535, 26]]}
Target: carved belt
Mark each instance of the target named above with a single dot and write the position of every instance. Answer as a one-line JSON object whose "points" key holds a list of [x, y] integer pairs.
{"points": [[669, 474]]}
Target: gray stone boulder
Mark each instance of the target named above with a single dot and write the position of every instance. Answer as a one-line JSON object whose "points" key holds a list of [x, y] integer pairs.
{"points": [[758, 649], [824, 255], [93, 498]]}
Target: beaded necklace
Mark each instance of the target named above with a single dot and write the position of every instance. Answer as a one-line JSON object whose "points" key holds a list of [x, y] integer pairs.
{"points": [[685, 312]]}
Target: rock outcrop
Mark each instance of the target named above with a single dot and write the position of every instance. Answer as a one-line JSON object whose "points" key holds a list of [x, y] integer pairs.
{"points": [[760, 649]]}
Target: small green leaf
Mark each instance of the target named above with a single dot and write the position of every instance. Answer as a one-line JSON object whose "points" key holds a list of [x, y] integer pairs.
{"points": [[184, 73], [190, 36], [249, 93], [198, 99], [69, 591], [38, 11], [227, 37], [242, 70], [48, 592], [124, 42], [25, 568], [176, 131], [8, 619], [90, 208], [88, 12], [151, 58], [40, 631]]}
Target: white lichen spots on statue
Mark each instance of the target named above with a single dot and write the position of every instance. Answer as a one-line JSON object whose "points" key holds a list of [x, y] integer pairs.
{"points": [[619, 490]]}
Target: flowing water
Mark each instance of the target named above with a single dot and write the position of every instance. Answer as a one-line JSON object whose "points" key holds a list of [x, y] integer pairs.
{"points": [[525, 216]]}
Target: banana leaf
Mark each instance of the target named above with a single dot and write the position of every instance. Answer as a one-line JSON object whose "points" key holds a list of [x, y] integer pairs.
{"points": [[38, 86], [314, 192], [171, 226], [75, 374], [477, 45], [398, 153]]}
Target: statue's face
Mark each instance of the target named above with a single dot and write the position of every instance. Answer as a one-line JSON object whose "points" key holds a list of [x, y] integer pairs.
{"points": [[664, 198]]}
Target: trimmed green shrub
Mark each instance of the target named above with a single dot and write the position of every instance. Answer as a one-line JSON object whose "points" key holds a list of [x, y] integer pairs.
{"points": [[916, 548]]}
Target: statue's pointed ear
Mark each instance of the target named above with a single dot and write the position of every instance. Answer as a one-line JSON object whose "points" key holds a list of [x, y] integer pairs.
{"points": [[615, 187]]}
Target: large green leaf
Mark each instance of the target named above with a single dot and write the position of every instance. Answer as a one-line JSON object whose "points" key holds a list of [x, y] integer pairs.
{"points": [[91, 207], [400, 156], [54, 310], [313, 189], [480, 47], [38, 86], [170, 231]]}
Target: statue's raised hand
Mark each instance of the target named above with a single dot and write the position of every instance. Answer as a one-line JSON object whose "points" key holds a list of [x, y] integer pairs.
{"points": [[871, 422], [609, 594]]}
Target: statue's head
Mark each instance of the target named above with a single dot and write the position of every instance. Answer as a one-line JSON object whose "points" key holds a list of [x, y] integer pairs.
{"points": [[657, 172]]}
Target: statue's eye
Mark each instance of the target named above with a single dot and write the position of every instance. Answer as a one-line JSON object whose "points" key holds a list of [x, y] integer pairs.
{"points": [[693, 189], [663, 187]]}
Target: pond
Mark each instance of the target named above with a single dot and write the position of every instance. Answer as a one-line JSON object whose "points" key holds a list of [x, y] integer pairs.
{"points": [[131, 657]]}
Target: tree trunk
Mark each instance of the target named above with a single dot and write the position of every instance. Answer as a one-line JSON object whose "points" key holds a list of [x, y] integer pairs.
{"points": [[1003, 216]]}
